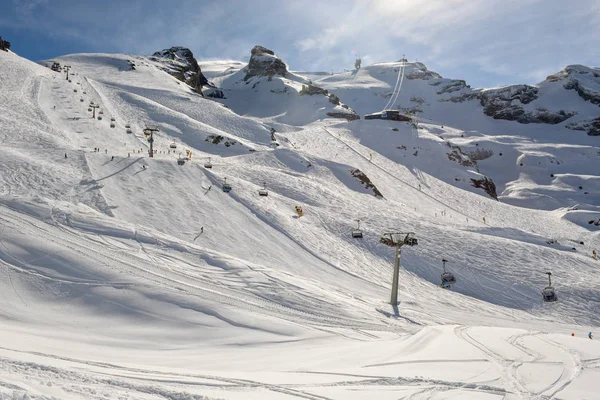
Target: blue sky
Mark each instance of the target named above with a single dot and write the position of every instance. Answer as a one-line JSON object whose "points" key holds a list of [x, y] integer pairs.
{"points": [[485, 42]]}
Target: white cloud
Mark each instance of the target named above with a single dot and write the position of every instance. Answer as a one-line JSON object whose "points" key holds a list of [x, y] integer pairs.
{"points": [[485, 42]]}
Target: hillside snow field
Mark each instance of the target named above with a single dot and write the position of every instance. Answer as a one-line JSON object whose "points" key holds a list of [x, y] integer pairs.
{"points": [[133, 277]]}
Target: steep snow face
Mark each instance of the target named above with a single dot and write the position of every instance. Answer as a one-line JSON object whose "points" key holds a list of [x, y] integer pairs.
{"points": [[134, 276]]}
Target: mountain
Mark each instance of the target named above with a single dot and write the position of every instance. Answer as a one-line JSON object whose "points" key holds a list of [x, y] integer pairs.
{"points": [[180, 62], [131, 276]]}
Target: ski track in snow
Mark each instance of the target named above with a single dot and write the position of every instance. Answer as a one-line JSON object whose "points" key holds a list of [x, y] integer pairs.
{"points": [[109, 290]]}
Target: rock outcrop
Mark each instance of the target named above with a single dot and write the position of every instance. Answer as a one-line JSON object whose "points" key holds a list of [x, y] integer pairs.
{"points": [[592, 126], [584, 80], [507, 103], [421, 72], [486, 184], [4, 45], [264, 62], [180, 62]]}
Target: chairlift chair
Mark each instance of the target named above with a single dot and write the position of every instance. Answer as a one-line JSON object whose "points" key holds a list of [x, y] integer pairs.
{"points": [[100, 112], [112, 125], [150, 140], [81, 100], [173, 145], [357, 233], [75, 90], [263, 191], [548, 293], [127, 126], [447, 277], [99, 117], [226, 186], [112, 118], [89, 109], [208, 164], [180, 161]]}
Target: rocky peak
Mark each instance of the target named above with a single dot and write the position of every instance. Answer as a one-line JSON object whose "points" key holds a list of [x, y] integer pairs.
{"points": [[264, 62], [180, 62]]}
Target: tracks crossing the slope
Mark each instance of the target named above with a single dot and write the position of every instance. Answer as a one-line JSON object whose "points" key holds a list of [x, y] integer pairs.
{"points": [[395, 177]]}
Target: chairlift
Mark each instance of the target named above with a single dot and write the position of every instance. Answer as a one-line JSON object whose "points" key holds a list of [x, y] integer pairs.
{"points": [[128, 131], [357, 233], [84, 92], [150, 140], [89, 109], [127, 126], [100, 112], [208, 164], [81, 100], [112, 119], [226, 186], [447, 277], [75, 90], [548, 293], [173, 145], [99, 117], [180, 161], [263, 191], [112, 125]]}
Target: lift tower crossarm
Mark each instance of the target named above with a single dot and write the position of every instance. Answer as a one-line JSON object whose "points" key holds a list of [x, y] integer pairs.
{"points": [[149, 130]]}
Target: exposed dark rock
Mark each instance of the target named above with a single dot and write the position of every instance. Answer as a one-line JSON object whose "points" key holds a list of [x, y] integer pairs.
{"points": [[180, 62], [486, 184], [216, 139], [507, 103], [214, 93], [421, 72], [585, 93], [4, 45], [358, 174], [453, 86], [462, 98], [311, 90], [458, 156], [592, 126], [264, 62], [349, 116]]}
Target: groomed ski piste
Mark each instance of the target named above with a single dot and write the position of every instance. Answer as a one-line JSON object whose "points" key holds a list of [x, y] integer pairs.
{"points": [[138, 278]]}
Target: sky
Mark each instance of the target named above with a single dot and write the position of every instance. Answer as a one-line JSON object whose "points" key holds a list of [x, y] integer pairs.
{"points": [[485, 42]]}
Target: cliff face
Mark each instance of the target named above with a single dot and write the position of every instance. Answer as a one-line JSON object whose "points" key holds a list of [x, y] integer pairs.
{"points": [[264, 62], [180, 62]]}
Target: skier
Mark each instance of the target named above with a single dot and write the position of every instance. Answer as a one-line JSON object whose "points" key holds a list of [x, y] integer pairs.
{"points": [[112, 158], [594, 254], [65, 155], [201, 229], [143, 167], [590, 335], [484, 220]]}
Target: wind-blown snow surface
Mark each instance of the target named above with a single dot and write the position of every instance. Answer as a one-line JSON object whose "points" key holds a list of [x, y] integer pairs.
{"points": [[110, 290]]}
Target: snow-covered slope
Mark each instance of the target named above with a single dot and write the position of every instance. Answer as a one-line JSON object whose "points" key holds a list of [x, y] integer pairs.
{"points": [[138, 278]]}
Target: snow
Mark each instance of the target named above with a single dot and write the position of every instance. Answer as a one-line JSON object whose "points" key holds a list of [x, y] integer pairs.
{"points": [[125, 282]]}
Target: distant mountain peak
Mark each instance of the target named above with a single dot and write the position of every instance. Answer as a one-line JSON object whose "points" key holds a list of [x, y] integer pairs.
{"points": [[264, 62], [180, 62]]}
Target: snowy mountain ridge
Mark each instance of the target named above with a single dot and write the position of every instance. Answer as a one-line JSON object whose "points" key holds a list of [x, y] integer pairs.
{"points": [[140, 277]]}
